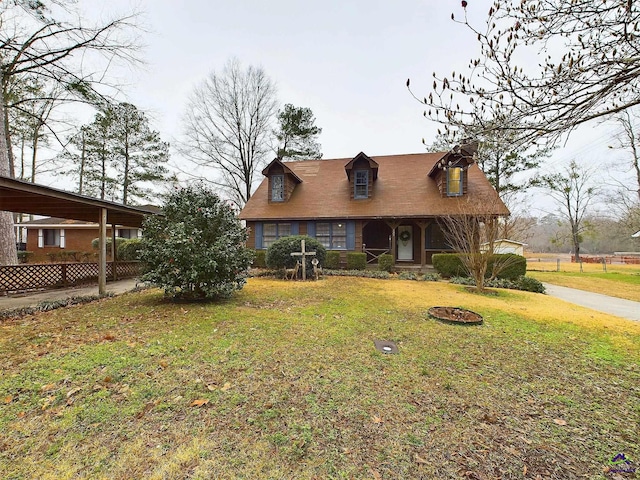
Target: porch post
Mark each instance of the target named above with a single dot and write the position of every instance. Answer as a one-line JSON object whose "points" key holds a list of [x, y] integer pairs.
{"points": [[102, 252], [393, 226], [114, 251], [423, 224]]}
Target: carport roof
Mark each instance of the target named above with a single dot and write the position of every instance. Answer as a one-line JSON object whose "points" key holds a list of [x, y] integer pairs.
{"points": [[23, 197]]}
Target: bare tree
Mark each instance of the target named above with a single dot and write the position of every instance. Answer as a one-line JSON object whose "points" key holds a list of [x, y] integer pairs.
{"points": [[34, 43], [573, 192], [628, 138], [472, 232], [589, 67], [228, 127]]}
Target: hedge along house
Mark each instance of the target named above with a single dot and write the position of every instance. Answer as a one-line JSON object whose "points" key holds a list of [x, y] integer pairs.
{"points": [[386, 204]]}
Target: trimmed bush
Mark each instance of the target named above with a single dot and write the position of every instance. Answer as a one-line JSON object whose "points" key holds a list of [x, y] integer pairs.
{"points": [[259, 259], [333, 260], [385, 262], [516, 265], [119, 242], [196, 251], [356, 261], [279, 253], [448, 265], [129, 250], [24, 256]]}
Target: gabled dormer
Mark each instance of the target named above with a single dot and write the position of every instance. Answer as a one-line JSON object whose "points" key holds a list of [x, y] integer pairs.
{"points": [[451, 172], [361, 171], [282, 181]]}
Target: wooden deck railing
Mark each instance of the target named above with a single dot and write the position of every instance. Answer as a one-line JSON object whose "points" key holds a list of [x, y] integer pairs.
{"points": [[56, 275]]}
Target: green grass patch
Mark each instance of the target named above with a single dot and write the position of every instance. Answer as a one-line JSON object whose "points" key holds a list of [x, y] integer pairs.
{"points": [[283, 381]]}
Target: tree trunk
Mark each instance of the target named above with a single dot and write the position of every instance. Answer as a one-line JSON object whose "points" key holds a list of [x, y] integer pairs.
{"points": [[8, 255]]}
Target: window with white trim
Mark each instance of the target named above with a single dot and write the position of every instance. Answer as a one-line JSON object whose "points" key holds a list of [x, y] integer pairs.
{"points": [[332, 236], [50, 237], [361, 184], [273, 231], [277, 188]]}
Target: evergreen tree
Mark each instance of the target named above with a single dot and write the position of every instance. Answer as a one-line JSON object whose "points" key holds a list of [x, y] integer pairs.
{"points": [[139, 154], [117, 154], [297, 134]]}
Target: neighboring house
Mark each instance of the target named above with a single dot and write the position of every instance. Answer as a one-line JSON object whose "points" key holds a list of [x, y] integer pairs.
{"points": [[387, 204], [55, 235], [507, 246]]}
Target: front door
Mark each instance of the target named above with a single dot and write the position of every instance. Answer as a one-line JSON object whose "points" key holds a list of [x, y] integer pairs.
{"points": [[405, 243]]}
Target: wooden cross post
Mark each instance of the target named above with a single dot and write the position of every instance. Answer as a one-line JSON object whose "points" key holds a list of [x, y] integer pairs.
{"points": [[303, 254]]}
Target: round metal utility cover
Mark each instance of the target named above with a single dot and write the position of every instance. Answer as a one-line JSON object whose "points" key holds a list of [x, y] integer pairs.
{"points": [[385, 346]]}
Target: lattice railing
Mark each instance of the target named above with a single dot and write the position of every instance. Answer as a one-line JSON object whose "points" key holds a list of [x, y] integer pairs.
{"points": [[56, 275]]}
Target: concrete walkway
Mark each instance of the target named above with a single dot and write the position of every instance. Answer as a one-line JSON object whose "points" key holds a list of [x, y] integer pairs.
{"points": [[22, 300], [595, 301]]}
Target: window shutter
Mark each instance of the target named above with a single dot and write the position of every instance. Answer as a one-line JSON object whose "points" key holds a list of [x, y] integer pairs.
{"points": [[311, 229], [258, 229], [295, 228], [40, 238], [351, 235], [62, 240]]}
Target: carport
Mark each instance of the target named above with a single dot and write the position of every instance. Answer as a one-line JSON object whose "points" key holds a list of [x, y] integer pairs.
{"points": [[23, 197]]}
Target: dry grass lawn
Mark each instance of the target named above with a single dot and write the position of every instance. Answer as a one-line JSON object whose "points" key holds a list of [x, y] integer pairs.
{"points": [[283, 382], [621, 281]]}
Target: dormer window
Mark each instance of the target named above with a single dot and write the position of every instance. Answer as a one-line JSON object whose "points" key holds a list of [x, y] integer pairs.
{"points": [[454, 182], [361, 184], [277, 188]]}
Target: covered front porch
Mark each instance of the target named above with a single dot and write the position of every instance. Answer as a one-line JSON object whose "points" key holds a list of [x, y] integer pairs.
{"points": [[411, 242]]}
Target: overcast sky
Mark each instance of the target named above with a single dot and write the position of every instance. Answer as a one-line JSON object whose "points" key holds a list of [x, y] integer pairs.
{"points": [[346, 60]]}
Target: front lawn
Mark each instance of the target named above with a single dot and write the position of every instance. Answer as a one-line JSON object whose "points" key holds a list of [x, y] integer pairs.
{"points": [[283, 381]]}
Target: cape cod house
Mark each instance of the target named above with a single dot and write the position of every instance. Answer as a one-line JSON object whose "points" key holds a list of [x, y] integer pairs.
{"points": [[385, 204]]}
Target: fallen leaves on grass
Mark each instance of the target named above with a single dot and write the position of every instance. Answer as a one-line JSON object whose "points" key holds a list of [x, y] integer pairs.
{"points": [[559, 421], [48, 387], [201, 402], [8, 399]]}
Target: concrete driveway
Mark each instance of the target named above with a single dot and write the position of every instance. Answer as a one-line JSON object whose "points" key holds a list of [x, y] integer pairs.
{"points": [[595, 301], [31, 299]]}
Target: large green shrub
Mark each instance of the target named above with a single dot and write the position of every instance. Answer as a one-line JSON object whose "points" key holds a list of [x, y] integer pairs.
{"points": [[333, 260], [511, 267], [385, 262], [129, 250], [356, 261], [279, 253], [196, 250], [448, 265]]}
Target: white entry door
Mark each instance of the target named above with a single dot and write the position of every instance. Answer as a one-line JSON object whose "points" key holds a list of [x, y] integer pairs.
{"points": [[405, 243]]}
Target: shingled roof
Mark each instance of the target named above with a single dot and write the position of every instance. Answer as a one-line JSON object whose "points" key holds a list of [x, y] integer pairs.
{"points": [[403, 190]]}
